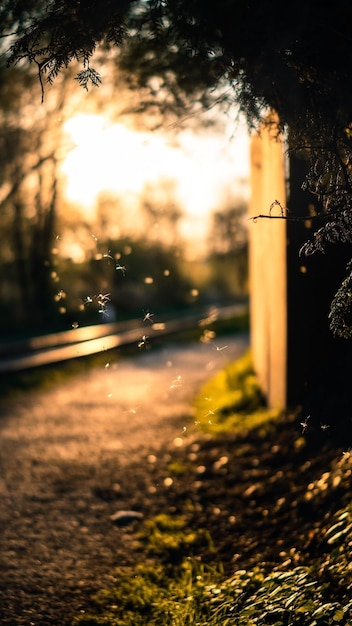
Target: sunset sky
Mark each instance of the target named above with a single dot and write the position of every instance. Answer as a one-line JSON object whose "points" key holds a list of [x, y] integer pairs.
{"points": [[207, 167]]}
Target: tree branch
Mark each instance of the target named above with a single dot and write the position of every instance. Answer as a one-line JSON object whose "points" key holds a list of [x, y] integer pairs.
{"points": [[291, 218]]}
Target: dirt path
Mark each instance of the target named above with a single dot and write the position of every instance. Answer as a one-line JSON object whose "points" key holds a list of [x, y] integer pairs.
{"points": [[68, 456]]}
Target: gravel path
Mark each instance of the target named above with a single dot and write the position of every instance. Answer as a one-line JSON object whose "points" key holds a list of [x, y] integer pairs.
{"points": [[68, 455]]}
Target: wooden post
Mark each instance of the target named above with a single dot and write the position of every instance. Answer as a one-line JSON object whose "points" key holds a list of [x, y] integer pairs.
{"points": [[298, 361], [267, 267]]}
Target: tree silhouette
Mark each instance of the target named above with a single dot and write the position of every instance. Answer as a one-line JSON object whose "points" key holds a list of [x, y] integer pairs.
{"points": [[29, 190], [228, 231], [293, 58]]}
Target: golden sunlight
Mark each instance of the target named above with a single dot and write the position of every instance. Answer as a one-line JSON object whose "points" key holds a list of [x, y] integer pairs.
{"points": [[114, 158], [205, 167]]}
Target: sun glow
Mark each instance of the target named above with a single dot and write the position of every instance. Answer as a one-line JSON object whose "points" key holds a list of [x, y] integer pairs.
{"points": [[115, 158]]}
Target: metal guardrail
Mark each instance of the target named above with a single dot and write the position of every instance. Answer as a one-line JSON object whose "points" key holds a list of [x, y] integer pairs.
{"points": [[80, 342]]}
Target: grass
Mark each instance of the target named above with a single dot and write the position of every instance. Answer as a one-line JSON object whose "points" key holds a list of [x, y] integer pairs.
{"points": [[174, 588], [191, 594], [232, 400]]}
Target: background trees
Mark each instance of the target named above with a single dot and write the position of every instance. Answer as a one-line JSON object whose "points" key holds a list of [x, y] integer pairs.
{"points": [[53, 257], [186, 56], [29, 153], [293, 58]]}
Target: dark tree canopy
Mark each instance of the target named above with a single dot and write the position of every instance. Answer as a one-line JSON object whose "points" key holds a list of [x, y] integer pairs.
{"points": [[291, 57]]}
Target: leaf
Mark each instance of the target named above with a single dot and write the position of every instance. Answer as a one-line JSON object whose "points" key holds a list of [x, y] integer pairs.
{"points": [[307, 607], [292, 599], [88, 75], [323, 610], [333, 528], [337, 536]]}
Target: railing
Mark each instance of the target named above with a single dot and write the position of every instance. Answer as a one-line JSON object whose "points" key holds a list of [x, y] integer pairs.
{"points": [[80, 342]]}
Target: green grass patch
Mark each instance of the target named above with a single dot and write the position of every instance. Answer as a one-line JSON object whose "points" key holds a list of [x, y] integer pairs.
{"points": [[151, 597], [174, 587], [176, 468], [170, 539], [192, 594], [232, 400]]}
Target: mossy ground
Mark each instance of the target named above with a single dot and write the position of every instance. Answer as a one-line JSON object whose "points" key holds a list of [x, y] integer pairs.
{"points": [[232, 401], [256, 528]]}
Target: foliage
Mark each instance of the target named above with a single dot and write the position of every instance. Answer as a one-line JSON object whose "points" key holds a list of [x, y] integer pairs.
{"points": [[138, 274], [170, 539], [293, 59], [232, 400], [317, 594], [228, 274], [311, 587], [228, 231], [215, 42], [30, 141], [153, 598]]}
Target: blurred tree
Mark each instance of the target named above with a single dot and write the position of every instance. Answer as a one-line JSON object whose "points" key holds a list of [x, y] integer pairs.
{"points": [[292, 57], [111, 215], [228, 231], [228, 250], [162, 212], [29, 191], [32, 208], [152, 215], [153, 279], [137, 274]]}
